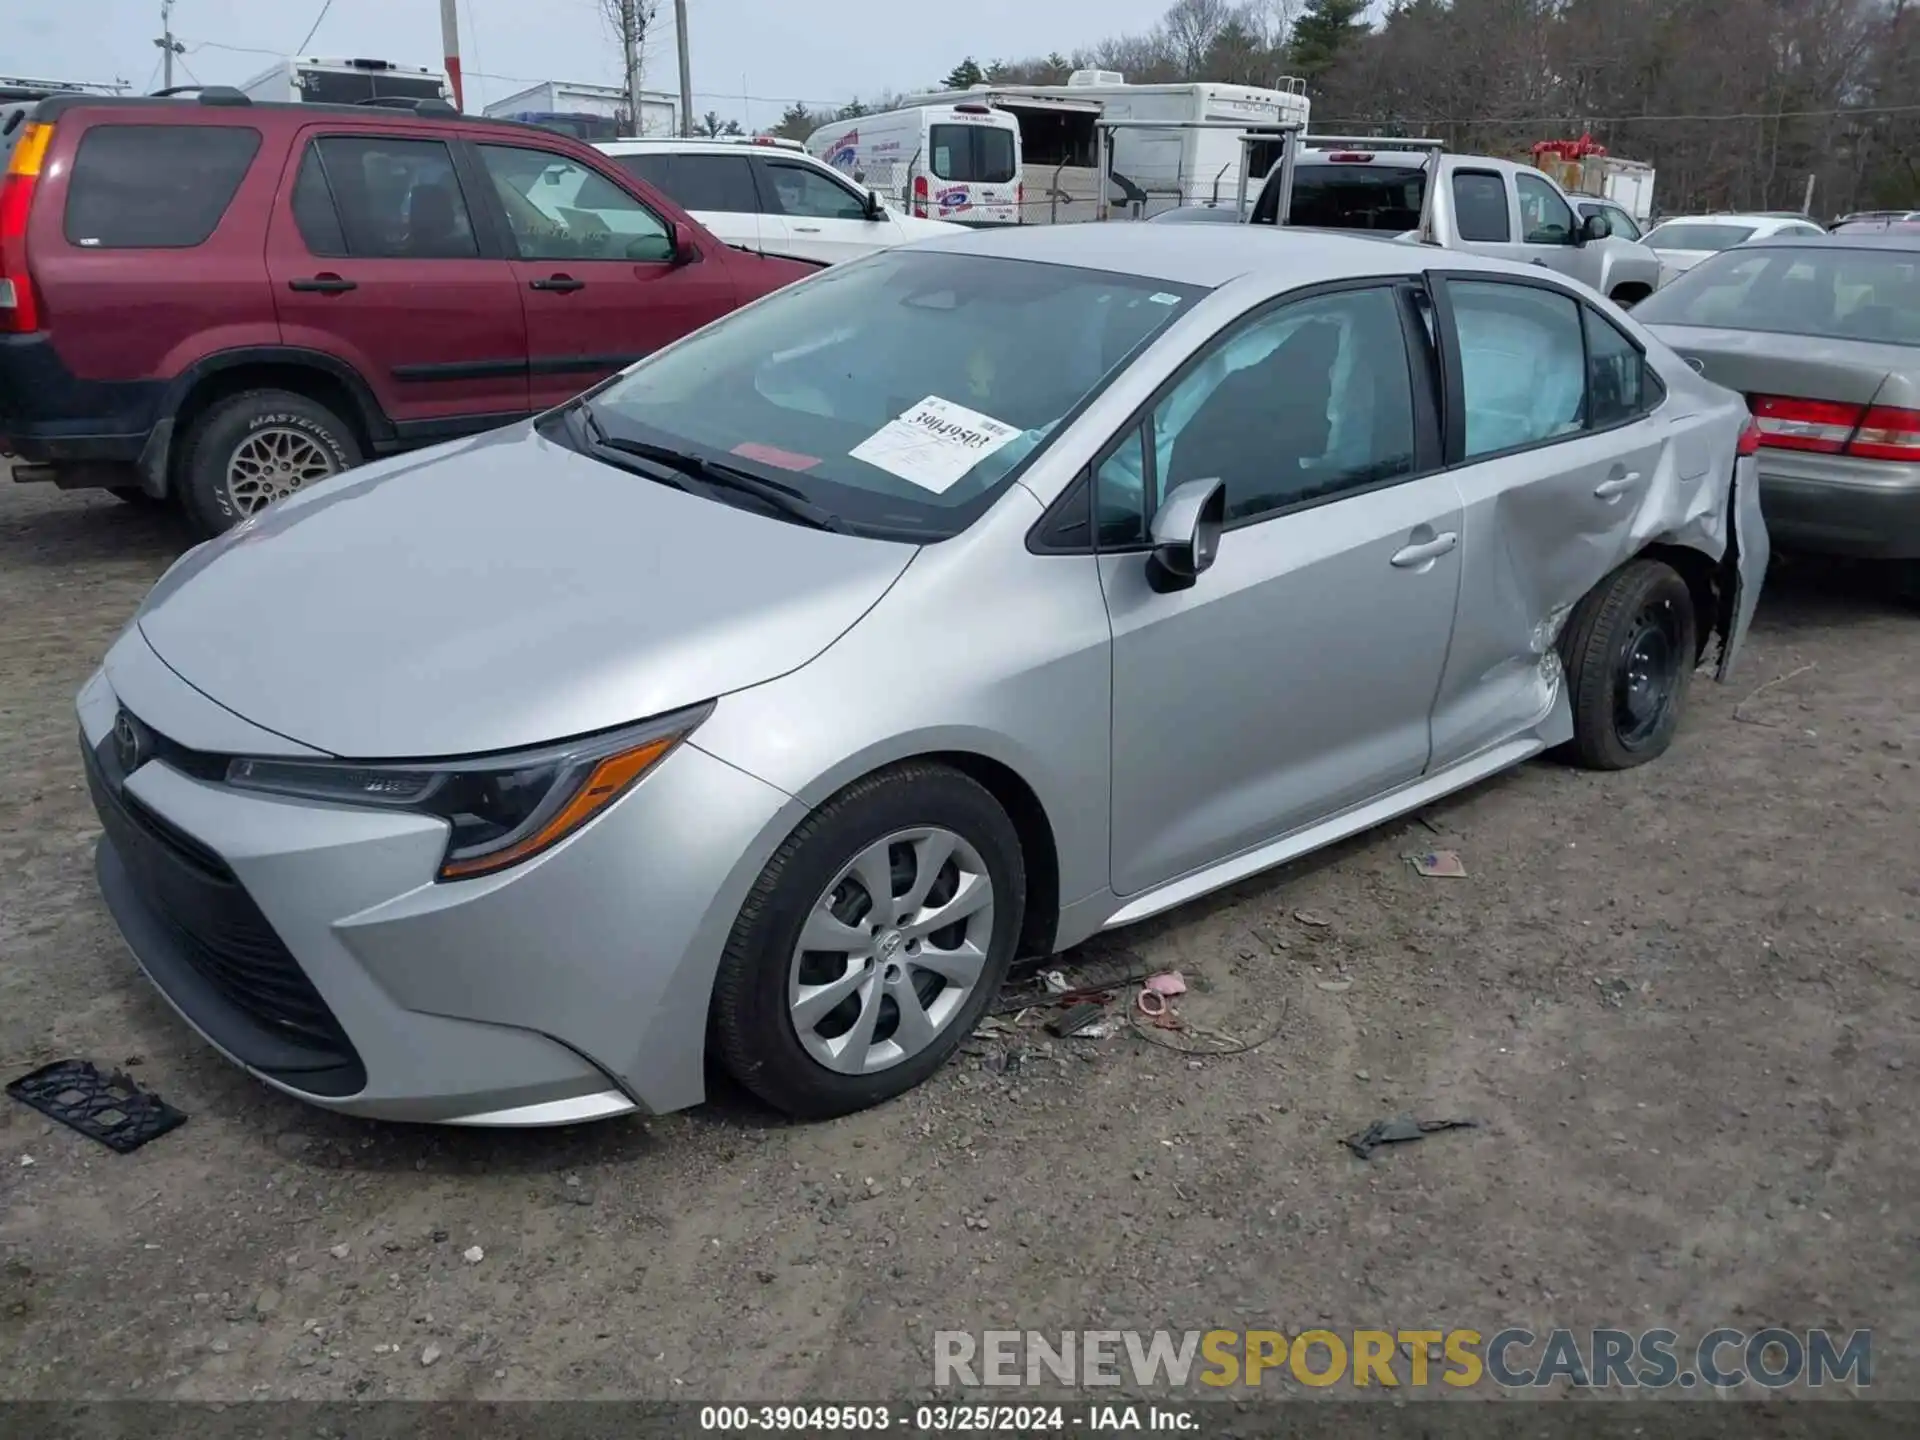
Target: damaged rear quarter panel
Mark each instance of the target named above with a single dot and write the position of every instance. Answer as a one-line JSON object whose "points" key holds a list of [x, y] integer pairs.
{"points": [[1542, 529]]}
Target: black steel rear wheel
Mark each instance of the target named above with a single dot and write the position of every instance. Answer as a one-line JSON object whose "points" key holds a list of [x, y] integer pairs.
{"points": [[1630, 648]]}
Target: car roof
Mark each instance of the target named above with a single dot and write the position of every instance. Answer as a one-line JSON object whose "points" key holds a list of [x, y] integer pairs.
{"points": [[723, 145], [1738, 217], [1211, 255], [1900, 240], [226, 101]]}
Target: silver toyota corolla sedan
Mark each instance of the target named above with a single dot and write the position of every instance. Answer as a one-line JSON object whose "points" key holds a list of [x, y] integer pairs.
{"points": [[956, 604]]}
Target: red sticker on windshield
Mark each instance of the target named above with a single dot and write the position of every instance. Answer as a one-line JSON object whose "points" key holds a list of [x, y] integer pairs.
{"points": [[768, 455]]}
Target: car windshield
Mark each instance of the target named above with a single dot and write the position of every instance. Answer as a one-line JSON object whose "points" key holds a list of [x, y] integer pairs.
{"points": [[1676, 235], [901, 392], [1837, 293]]}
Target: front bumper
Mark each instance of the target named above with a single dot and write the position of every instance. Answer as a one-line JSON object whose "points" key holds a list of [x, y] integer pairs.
{"points": [[1836, 505], [311, 944]]}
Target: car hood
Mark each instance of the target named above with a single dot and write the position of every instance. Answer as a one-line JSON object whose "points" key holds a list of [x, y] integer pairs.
{"points": [[497, 593], [916, 227]]}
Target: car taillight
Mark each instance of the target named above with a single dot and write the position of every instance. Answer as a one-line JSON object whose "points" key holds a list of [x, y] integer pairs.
{"points": [[920, 195], [1020, 196], [1350, 157], [19, 312], [1823, 426], [1749, 438], [1888, 433], [1882, 432]]}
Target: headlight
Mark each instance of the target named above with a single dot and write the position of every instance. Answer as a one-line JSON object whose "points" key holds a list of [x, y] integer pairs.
{"points": [[502, 809]]}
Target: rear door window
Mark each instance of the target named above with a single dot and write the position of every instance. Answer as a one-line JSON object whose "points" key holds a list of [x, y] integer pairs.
{"points": [[1523, 363], [1480, 206], [395, 199], [713, 182], [160, 187], [971, 154]]}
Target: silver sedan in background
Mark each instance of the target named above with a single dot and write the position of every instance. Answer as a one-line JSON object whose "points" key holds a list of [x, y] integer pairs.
{"points": [[1822, 335], [957, 604]]}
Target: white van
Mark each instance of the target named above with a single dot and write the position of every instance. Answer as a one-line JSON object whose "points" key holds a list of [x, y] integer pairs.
{"points": [[957, 162]]}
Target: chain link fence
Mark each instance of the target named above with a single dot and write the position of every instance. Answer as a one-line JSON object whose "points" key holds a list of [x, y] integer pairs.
{"points": [[1046, 194]]}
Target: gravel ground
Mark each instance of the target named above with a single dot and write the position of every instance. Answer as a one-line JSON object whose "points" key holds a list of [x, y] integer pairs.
{"points": [[1681, 1000]]}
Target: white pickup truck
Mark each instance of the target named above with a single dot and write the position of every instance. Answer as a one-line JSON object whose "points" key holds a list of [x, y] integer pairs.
{"points": [[1481, 204]]}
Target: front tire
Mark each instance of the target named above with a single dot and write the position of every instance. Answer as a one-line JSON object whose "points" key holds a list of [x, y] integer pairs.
{"points": [[1630, 648], [256, 447], [872, 942]]}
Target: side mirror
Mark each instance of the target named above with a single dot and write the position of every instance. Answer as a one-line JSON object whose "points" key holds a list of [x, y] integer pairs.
{"points": [[682, 250], [1186, 534], [875, 210], [1593, 227]]}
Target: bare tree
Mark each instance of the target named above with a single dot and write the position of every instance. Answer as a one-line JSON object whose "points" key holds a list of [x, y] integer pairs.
{"points": [[628, 21], [1191, 27]]}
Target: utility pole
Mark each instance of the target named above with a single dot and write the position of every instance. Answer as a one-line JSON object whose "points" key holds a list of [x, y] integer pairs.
{"points": [[169, 47], [450, 42], [631, 19], [686, 66]]}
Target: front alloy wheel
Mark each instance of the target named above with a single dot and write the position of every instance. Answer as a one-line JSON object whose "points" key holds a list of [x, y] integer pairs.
{"points": [[872, 943], [891, 951]]}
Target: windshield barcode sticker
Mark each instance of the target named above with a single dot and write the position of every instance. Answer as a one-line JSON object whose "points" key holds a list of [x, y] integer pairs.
{"points": [[1163, 298], [934, 443]]}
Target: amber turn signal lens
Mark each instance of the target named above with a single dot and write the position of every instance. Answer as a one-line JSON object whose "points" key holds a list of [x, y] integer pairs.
{"points": [[606, 782]]}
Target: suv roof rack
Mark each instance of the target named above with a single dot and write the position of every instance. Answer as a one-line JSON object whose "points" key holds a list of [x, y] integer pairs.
{"points": [[420, 105], [208, 94]]}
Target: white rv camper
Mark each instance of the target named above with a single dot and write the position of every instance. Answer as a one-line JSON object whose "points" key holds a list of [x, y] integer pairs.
{"points": [[319, 81], [1153, 169]]}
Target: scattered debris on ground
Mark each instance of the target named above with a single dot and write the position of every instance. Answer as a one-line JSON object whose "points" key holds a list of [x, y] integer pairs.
{"points": [[108, 1108], [1439, 864], [1399, 1131]]}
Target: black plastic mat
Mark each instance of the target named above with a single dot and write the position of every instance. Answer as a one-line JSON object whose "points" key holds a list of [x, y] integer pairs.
{"points": [[108, 1108]]}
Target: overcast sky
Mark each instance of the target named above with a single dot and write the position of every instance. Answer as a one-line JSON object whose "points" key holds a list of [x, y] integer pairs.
{"points": [[773, 50]]}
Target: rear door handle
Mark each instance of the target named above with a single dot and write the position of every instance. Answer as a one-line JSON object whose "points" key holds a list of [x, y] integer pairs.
{"points": [[324, 284], [1616, 485], [563, 283], [1417, 555]]}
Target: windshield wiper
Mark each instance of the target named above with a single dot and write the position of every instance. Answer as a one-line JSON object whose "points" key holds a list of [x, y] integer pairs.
{"points": [[710, 475]]}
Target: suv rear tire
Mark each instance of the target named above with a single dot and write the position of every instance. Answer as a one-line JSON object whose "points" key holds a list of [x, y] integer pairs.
{"points": [[255, 447]]}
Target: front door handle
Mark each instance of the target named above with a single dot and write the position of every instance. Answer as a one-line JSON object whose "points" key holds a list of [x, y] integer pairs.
{"points": [[1614, 486], [325, 284], [562, 283], [1414, 556], [806, 229]]}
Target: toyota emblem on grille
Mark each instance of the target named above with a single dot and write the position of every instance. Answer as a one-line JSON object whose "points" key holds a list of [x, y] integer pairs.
{"points": [[129, 743]]}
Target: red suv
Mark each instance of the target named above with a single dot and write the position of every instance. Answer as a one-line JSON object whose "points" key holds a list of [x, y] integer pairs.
{"points": [[222, 301]]}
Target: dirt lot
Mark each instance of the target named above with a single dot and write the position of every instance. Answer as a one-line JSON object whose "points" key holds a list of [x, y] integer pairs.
{"points": [[1682, 1001]]}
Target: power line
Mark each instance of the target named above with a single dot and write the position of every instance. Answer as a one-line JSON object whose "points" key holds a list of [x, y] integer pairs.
{"points": [[237, 49], [314, 29], [1430, 120]]}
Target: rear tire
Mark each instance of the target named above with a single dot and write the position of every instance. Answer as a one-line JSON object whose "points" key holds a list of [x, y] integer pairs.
{"points": [[882, 1016], [256, 447], [1630, 648]]}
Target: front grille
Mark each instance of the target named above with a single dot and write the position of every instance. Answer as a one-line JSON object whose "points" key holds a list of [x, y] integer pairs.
{"points": [[219, 929]]}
